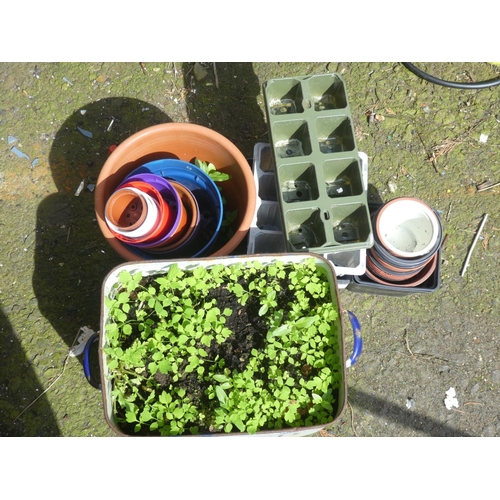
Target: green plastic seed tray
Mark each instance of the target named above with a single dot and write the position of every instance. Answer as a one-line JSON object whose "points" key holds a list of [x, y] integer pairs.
{"points": [[319, 179]]}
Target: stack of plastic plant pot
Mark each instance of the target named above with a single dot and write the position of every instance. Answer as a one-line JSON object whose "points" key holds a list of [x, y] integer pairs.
{"points": [[165, 208], [407, 240]]}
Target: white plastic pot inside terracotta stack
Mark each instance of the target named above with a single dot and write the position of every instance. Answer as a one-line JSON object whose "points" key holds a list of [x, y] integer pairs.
{"points": [[407, 237]]}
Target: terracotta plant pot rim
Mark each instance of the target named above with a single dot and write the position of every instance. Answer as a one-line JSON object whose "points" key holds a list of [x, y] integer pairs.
{"points": [[380, 270], [401, 262], [417, 280], [390, 267]]}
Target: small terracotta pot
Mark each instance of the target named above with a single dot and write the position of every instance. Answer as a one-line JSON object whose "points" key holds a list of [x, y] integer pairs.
{"points": [[416, 280], [390, 266], [126, 209], [388, 275], [399, 262], [184, 141]]}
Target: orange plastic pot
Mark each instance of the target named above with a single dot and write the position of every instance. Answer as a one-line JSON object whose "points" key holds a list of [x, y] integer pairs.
{"points": [[184, 141], [148, 225], [177, 218]]}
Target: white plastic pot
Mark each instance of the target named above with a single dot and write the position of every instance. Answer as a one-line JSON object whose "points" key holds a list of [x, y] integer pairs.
{"points": [[407, 227]]}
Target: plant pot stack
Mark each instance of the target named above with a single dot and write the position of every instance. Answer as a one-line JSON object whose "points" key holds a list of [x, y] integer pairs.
{"points": [[166, 208], [407, 240], [168, 151]]}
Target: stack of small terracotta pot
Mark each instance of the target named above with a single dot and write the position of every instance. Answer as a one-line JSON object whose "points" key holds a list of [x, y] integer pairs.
{"points": [[155, 216], [407, 239]]}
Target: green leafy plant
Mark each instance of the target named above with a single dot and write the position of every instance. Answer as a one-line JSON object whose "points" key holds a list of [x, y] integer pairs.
{"points": [[211, 171], [241, 347], [217, 176]]}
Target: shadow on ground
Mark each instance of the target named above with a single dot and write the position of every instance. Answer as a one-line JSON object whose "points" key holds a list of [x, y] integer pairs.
{"points": [[225, 100], [223, 97], [412, 420], [19, 384], [72, 257]]}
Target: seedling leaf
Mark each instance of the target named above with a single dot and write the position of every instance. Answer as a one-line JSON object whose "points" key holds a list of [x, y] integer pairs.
{"points": [[306, 322], [221, 395]]}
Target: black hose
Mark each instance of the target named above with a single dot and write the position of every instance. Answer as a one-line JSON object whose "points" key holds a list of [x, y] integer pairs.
{"points": [[445, 83]]}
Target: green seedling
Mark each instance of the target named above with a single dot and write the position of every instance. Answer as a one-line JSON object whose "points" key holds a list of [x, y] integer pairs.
{"points": [[217, 176], [211, 171]]}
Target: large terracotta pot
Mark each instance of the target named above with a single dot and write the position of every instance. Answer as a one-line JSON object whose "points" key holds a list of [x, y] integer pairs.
{"points": [[184, 141]]}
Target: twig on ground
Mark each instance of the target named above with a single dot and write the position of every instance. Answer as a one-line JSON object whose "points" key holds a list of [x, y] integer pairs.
{"points": [[352, 419], [407, 343], [430, 154], [486, 185], [469, 254], [448, 213], [445, 241], [417, 355], [216, 77], [485, 241], [447, 146]]}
